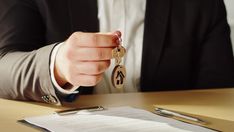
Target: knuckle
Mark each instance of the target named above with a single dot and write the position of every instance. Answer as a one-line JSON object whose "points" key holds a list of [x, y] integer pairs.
{"points": [[73, 39], [69, 50], [76, 34], [100, 54], [97, 68], [72, 54], [93, 38], [69, 55], [100, 67], [79, 54]]}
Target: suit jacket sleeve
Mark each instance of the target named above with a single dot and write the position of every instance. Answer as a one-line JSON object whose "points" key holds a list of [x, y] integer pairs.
{"points": [[24, 61]]}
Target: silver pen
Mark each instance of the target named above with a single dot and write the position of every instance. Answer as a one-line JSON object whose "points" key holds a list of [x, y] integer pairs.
{"points": [[75, 110], [168, 113]]}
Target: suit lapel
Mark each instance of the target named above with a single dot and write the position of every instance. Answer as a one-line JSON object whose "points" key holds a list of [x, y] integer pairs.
{"points": [[156, 19], [83, 15]]}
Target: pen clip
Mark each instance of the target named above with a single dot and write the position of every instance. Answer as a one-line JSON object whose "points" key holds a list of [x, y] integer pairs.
{"points": [[75, 110]]}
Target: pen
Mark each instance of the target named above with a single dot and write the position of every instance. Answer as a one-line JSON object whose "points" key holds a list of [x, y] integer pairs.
{"points": [[168, 113], [75, 110]]}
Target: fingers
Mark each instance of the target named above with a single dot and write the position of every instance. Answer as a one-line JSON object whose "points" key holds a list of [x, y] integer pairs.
{"points": [[92, 46], [118, 33], [87, 73], [90, 54], [84, 57], [95, 39], [92, 68], [85, 80]]}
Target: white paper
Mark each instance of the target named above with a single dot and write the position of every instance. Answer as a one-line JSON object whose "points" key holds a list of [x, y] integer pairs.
{"points": [[120, 119]]}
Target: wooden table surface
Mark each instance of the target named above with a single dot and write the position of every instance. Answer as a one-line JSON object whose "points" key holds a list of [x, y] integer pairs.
{"points": [[216, 106]]}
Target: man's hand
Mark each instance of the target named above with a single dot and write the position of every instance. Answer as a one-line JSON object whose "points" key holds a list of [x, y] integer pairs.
{"points": [[83, 58]]}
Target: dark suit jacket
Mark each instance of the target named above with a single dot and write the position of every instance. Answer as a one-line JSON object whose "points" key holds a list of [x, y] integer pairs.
{"points": [[186, 43]]}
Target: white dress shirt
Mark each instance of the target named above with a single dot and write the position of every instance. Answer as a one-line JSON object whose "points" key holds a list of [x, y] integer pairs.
{"points": [[128, 17]]}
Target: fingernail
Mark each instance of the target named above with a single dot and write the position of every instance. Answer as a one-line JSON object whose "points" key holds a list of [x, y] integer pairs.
{"points": [[118, 40], [118, 33], [115, 39]]}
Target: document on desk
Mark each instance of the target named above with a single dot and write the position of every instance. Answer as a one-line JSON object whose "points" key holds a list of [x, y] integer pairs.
{"points": [[116, 119]]}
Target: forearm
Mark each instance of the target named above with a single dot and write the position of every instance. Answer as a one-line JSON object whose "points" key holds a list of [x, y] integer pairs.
{"points": [[25, 75]]}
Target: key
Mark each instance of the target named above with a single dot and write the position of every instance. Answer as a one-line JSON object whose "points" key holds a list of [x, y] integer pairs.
{"points": [[118, 52], [118, 76], [118, 60]]}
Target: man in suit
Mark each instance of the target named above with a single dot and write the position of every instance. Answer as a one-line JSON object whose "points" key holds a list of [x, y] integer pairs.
{"points": [[185, 45]]}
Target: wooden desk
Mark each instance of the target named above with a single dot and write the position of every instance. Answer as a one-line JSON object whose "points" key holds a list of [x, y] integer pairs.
{"points": [[215, 106]]}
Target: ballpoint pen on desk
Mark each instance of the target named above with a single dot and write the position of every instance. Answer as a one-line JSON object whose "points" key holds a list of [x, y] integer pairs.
{"points": [[168, 113], [75, 110]]}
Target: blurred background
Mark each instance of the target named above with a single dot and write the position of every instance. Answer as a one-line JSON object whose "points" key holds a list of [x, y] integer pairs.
{"points": [[230, 14]]}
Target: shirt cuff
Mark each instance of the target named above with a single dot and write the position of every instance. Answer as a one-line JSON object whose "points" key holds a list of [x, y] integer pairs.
{"points": [[59, 89]]}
